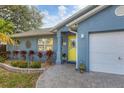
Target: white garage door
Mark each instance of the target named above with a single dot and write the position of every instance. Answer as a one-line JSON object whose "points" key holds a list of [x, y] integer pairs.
{"points": [[106, 52]]}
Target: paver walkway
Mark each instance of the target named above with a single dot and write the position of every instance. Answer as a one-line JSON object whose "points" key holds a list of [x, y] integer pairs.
{"points": [[65, 76]]}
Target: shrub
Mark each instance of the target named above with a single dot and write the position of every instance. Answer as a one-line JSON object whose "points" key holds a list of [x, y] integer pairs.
{"points": [[49, 53], [23, 64], [15, 52], [23, 54], [35, 64], [40, 54], [31, 53], [15, 63], [2, 59]]}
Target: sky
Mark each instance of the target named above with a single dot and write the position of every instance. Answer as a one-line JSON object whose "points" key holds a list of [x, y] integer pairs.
{"points": [[54, 14]]}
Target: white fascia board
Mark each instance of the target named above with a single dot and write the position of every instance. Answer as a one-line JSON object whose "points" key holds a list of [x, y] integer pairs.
{"points": [[87, 15]]}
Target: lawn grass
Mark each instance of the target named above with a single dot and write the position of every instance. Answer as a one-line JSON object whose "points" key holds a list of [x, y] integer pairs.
{"points": [[17, 80]]}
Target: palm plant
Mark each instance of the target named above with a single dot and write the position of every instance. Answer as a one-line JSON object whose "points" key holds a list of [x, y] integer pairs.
{"points": [[6, 29]]}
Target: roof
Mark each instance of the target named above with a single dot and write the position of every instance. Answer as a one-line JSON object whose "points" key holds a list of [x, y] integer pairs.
{"points": [[73, 17], [87, 15], [81, 15], [39, 32]]}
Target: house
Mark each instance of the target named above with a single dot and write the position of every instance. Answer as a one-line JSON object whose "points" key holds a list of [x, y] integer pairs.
{"points": [[93, 36], [37, 40]]}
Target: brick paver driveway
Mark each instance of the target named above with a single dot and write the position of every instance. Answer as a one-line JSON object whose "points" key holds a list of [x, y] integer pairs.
{"points": [[65, 76]]}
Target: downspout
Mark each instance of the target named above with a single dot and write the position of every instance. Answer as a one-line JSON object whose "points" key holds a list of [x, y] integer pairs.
{"points": [[76, 33]]}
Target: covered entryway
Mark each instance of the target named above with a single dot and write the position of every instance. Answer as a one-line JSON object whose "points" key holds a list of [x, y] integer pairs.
{"points": [[106, 52], [66, 49]]}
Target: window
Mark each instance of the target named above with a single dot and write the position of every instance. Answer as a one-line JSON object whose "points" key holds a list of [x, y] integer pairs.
{"points": [[45, 44], [28, 44]]}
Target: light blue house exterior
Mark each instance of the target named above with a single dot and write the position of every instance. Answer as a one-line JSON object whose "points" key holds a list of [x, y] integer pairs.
{"points": [[92, 19]]}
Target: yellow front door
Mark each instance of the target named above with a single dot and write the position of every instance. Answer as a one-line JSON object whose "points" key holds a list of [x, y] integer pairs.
{"points": [[72, 48]]}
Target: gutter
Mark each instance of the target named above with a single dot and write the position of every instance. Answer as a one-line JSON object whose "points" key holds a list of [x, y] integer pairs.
{"points": [[87, 15]]}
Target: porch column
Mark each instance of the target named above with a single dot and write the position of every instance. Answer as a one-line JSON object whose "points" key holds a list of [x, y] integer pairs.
{"points": [[59, 45]]}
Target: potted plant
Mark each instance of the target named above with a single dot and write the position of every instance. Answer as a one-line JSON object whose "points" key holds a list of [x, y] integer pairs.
{"points": [[82, 68], [23, 54], [64, 58], [40, 54], [31, 55], [49, 54]]}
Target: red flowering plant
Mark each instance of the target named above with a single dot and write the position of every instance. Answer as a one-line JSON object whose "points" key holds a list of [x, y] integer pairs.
{"points": [[23, 54], [31, 55], [40, 54], [15, 54], [49, 54]]}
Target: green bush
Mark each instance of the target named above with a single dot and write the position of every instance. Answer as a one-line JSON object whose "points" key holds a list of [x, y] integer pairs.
{"points": [[15, 63], [21, 64], [24, 64], [2, 59], [35, 64]]}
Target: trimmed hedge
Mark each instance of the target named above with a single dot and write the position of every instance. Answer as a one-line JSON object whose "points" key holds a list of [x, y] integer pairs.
{"points": [[14, 63], [21, 64], [24, 64], [35, 64]]}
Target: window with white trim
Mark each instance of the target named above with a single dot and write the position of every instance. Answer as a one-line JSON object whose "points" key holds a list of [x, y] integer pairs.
{"points": [[45, 44]]}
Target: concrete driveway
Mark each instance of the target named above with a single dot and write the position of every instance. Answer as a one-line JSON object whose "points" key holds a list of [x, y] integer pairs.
{"points": [[65, 76]]}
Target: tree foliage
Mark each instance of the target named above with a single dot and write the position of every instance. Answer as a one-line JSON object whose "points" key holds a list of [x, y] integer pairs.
{"points": [[6, 29], [23, 17]]}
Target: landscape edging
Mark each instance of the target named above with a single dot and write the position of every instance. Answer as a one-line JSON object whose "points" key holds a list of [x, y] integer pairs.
{"points": [[21, 70]]}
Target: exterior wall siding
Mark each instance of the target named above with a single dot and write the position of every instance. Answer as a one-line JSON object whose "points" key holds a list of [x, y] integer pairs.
{"points": [[106, 20], [34, 46]]}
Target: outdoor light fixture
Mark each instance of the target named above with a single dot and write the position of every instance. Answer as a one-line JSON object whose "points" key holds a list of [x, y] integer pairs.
{"points": [[82, 35]]}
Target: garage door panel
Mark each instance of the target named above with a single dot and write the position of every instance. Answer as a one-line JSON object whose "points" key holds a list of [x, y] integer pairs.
{"points": [[104, 59], [108, 69], [106, 52]]}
